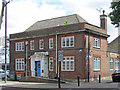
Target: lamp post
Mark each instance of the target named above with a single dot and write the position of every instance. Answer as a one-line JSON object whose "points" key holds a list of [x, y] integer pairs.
{"points": [[26, 44], [6, 2]]}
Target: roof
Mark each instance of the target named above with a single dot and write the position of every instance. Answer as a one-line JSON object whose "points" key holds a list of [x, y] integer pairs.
{"points": [[54, 22], [60, 25], [114, 45]]}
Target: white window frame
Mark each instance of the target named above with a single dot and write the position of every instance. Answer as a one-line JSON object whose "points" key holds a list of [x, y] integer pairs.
{"points": [[96, 43], [32, 44], [97, 62], [40, 42], [67, 41], [67, 62], [51, 67], [116, 64], [50, 43], [111, 63], [19, 46], [20, 64]]}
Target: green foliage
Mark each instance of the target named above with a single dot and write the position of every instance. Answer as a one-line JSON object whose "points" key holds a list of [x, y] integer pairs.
{"points": [[66, 23], [115, 14]]}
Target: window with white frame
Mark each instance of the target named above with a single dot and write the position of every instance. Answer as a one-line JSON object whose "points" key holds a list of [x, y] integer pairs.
{"points": [[19, 46], [68, 63], [111, 63], [96, 63], [116, 64], [32, 45], [50, 43], [41, 44], [20, 64], [67, 41], [51, 64], [96, 43]]}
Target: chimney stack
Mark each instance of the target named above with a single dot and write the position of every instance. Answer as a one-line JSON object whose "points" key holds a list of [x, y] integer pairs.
{"points": [[103, 20]]}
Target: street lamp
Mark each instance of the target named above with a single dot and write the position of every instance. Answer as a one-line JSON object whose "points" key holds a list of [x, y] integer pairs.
{"points": [[6, 2], [26, 44]]}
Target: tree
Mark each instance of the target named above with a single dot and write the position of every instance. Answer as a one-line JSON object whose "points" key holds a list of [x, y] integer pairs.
{"points": [[115, 14]]}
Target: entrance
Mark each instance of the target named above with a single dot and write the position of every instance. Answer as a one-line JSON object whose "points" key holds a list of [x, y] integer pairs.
{"points": [[38, 67]]}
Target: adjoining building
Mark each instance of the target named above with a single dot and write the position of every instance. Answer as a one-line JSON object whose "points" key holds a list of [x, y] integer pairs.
{"points": [[114, 51], [34, 52]]}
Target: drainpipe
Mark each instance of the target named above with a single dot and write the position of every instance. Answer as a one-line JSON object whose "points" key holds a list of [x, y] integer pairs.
{"points": [[56, 56]]}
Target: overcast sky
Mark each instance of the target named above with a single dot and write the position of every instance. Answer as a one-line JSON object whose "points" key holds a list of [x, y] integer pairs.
{"points": [[23, 13]]}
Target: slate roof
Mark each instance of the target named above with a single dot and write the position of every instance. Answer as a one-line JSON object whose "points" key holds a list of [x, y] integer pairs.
{"points": [[114, 46], [54, 26], [54, 22]]}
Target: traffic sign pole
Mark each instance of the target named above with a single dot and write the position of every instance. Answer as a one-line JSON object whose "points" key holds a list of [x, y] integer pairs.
{"points": [[60, 58]]}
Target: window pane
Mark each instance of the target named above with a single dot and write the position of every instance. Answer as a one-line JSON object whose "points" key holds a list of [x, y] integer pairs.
{"points": [[68, 63], [111, 63], [51, 64], [96, 63], [67, 41], [63, 42], [50, 43], [19, 64]]}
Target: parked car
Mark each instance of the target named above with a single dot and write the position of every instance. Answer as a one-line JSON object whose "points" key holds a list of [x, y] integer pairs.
{"points": [[2, 74], [116, 76]]}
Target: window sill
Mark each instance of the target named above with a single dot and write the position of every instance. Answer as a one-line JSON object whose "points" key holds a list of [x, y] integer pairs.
{"points": [[96, 47], [51, 48], [19, 70], [97, 70], [111, 69]]}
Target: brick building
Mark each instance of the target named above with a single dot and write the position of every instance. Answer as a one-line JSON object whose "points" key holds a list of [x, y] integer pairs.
{"points": [[114, 53], [41, 43]]}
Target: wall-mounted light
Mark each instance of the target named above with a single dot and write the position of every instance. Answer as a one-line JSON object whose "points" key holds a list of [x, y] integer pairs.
{"points": [[80, 50]]}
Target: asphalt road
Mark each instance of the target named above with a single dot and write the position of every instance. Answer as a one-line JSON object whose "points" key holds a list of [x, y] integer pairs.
{"points": [[104, 85], [16, 88]]}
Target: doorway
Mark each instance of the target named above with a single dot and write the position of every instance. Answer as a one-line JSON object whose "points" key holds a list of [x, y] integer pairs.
{"points": [[38, 69]]}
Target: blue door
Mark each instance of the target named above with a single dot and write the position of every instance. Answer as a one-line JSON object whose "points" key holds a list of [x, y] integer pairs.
{"points": [[38, 69]]}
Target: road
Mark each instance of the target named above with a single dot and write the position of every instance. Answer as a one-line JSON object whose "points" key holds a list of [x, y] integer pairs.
{"points": [[15, 85]]}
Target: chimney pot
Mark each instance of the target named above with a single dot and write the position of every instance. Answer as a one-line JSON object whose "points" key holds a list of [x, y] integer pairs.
{"points": [[103, 20]]}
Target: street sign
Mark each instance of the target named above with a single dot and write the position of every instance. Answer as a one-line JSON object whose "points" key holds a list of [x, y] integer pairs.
{"points": [[60, 55]]}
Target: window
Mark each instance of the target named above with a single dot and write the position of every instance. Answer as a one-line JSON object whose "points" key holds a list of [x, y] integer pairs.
{"points": [[96, 63], [41, 44], [116, 64], [32, 45], [19, 46], [51, 64], [111, 63], [67, 41], [68, 63], [96, 43], [51, 43], [20, 64]]}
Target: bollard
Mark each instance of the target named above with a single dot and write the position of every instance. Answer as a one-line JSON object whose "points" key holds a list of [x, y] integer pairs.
{"points": [[78, 82], [99, 78], [59, 82]]}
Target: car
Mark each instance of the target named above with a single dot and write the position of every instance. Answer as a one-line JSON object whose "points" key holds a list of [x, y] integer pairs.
{"points": [[2, 74], [116, 76]]}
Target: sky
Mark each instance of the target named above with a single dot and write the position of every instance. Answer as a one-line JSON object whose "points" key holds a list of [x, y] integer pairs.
{"points": [[24, 13]]}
